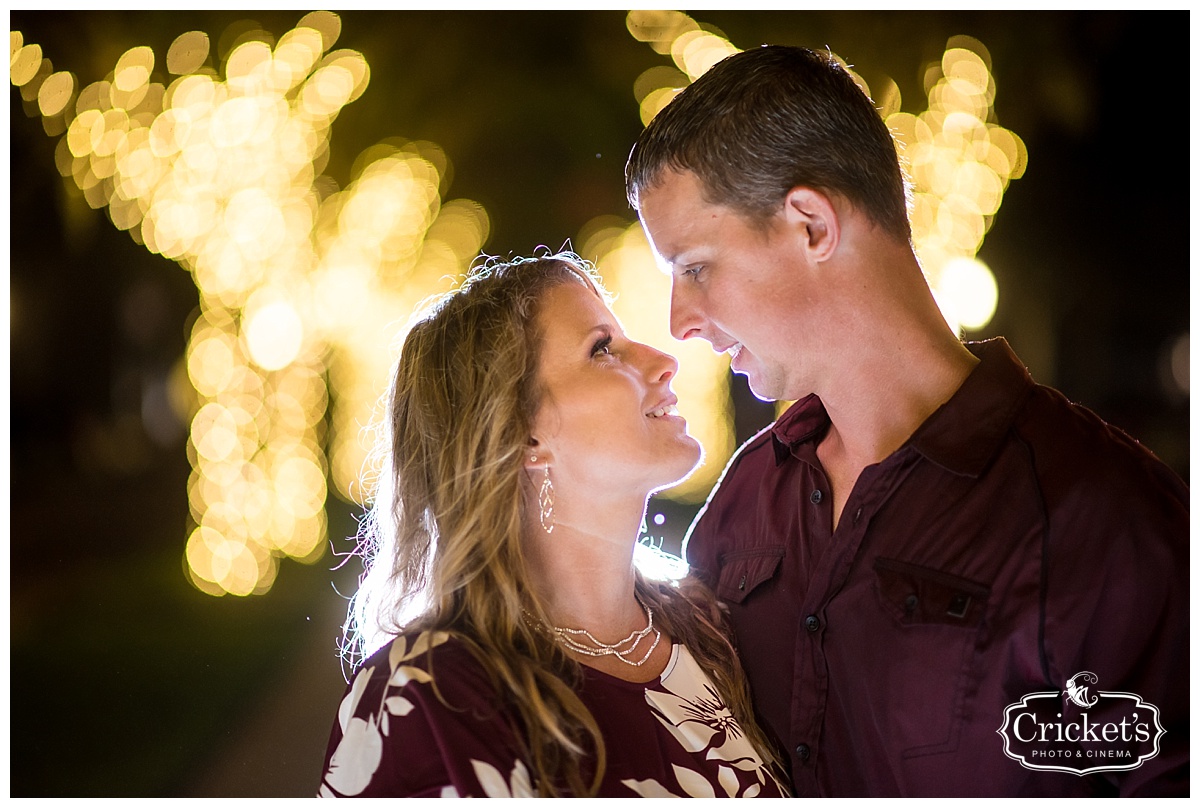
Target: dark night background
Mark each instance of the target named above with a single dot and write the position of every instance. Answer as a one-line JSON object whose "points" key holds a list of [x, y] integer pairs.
{"points": [[126, 681]]}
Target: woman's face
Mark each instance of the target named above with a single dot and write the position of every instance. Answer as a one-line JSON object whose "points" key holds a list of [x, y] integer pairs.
{"points": [[607, 422]]}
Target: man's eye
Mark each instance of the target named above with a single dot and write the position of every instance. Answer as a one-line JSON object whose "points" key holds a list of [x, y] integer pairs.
{"points": [[693, 271]]}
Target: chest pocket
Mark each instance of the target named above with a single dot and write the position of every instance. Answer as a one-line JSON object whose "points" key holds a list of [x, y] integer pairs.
{"points": [[930, 653], [742, 571], [916, 595]]}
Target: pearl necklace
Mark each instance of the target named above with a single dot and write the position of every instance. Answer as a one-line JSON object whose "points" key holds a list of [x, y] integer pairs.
{"points": [[566, 638]]}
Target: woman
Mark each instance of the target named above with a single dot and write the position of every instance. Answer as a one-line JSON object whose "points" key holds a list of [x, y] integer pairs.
{"points": [[525, 653]]}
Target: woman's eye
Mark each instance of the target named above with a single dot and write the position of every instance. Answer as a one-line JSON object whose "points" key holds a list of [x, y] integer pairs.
{"points": [[602, 347], [693, 271]]}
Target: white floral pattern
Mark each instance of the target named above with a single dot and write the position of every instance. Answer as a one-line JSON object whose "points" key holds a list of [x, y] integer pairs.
{"points": [[690, 708], [357, 756], [494, 784]]}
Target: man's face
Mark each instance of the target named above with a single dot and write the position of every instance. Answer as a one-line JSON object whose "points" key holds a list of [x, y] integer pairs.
{"points": [[739, 286]]}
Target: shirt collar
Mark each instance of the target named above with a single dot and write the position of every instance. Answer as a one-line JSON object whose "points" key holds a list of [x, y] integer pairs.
{"points": [[961, 435], [964, 433], [802, 421]]}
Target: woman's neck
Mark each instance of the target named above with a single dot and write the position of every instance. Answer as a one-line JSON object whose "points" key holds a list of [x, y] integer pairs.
{"points": [[584, 575], [585, 579]]}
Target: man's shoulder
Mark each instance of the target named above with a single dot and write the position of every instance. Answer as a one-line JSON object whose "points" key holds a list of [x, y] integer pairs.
{"points": [[748, 462], [1085, 464], [1064, 434]]}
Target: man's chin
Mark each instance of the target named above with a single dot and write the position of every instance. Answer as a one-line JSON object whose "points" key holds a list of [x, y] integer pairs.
{"points": [[761, 390]]}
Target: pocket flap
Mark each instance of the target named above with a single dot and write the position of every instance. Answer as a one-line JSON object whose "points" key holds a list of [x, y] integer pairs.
{"points": [[743, 570], [915, 594]]}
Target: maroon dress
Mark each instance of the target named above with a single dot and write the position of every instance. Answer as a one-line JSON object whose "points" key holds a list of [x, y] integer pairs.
{"points": [[394, 736]]}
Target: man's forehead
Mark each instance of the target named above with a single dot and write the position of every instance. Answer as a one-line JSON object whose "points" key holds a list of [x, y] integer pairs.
{"points": [[672, 189], [666, 214], [661, 261]]}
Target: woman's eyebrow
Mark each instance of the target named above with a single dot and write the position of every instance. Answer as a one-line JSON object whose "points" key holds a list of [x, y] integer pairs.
{"points": [[603, 329]]}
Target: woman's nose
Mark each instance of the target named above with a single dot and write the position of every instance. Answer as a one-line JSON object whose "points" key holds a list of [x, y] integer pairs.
{"points": [[662, 366]]}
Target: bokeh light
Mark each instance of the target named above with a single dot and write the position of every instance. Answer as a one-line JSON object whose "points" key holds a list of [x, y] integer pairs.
{"points": [[1175, 366], [966, 292], [297, 286], [960, 163]]}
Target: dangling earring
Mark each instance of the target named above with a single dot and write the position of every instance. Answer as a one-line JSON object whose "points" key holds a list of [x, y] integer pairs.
{"points": [[546, 502]]}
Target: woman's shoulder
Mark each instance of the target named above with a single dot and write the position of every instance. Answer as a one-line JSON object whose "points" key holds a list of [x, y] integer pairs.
{"points": [[421, 658], [419, 648], [419, 718]]}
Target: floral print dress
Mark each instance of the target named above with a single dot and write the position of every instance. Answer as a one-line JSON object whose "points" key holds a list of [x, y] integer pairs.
{"points": [[670, 737]]}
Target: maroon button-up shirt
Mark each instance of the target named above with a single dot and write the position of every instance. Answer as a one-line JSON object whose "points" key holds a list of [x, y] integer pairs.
{"points": [[1014, 541]]}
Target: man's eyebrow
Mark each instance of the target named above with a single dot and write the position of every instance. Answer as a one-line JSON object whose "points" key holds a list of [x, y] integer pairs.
{"points": [[664, 264]]}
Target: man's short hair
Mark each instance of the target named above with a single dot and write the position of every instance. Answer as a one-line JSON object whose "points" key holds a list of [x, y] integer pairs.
{"points": [[767, 120]]}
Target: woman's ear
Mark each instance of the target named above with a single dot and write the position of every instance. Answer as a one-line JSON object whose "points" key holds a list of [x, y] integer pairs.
{"points": [[537, 456], [816, 218]]}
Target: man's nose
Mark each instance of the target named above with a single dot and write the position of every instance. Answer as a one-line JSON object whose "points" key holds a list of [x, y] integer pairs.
{"points": [[685, 323]]}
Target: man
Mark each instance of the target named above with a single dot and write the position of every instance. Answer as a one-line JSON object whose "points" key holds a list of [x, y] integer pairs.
{"points": [[927, 536]]}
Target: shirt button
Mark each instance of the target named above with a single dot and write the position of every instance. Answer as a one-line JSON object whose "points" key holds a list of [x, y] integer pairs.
{"points": [[803, 752], [812, 623], [815, 496]]}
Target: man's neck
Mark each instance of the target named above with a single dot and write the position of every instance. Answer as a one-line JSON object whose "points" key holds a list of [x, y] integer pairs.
{"points": [[874, 425], [895, 364]]}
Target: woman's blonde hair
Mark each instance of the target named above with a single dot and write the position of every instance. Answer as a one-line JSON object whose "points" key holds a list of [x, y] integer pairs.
{"points": [[442, 543]]}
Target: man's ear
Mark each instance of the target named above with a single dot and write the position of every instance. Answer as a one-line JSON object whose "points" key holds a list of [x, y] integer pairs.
{"points": [[813, 214]]}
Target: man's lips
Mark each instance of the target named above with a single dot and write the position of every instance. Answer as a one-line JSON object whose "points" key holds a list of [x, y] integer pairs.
{"points": [[733, 349]]}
